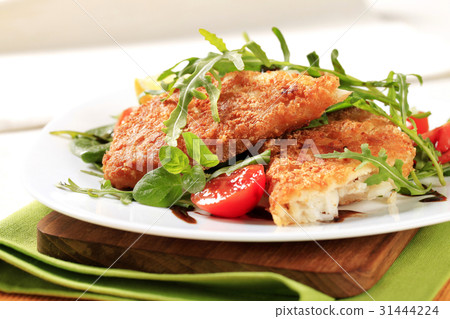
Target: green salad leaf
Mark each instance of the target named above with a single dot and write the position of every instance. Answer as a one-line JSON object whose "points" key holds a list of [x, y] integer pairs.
{"points": [[173, 159], [322, 120], [385, 170], [198, 150], [263, 158], [106, 190], [214, 40], [158, 188], [194, 181], [188, 81], [91, 145], [283, 44], [334, 60], [95, 153]]}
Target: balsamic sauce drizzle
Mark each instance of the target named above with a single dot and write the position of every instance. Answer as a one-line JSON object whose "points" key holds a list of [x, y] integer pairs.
{"points": [[437, 197], [259, 212], [344, 214], [182, 213]]}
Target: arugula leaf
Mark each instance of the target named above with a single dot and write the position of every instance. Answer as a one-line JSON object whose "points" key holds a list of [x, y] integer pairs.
{"points": [[283, 44], [403, 96], [336, 65], [313, 60], [429, 171], [188, 84], [385, 170], [398, 119], [158, 188], [98, 167], [195, 180], [258, 52], [170, 71], [421, 115], [106, 190], [198, 150], [263, 158], [322, 120], [214, 40], [214, 94], [173, 159], [92, 173]]}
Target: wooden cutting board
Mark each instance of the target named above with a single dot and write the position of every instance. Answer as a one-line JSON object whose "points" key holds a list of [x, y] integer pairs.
{"points": [[364, 259]]}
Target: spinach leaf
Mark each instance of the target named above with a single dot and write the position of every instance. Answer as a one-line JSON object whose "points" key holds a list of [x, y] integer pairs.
{"points": [[198, 151], [105, 132], [173, 159], [102, 134], [94, 153], [158, 188], [80, 145], [195, 180]]}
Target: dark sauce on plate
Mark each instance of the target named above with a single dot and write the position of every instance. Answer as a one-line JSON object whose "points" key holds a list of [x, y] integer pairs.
{"points": [[344, 214], [259, 212], [437, 197], [182, 213]]}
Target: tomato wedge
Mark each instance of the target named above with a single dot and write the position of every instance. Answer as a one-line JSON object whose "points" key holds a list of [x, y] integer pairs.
{"points": [[233, 195], [124, 115], [422, 124], [440, 137], [443, 141]]}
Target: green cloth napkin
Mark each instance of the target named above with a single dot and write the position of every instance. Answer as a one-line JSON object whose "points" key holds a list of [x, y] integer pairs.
{"points": [[418, 274]]}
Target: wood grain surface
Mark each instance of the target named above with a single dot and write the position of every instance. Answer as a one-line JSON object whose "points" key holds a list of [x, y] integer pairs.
{"points": [[364, 259]]}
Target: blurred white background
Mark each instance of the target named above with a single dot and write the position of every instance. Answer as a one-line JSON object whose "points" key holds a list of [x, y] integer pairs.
{"points": [[56, 54]]}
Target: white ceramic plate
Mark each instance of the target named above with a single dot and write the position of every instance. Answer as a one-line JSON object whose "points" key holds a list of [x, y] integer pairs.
{"points": [[50, 161]]}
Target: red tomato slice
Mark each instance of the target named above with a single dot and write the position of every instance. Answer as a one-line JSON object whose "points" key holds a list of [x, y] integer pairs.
{"points": [[440, 137], [234, 195], [443, 141], [422, 124], [444, 158], [433, 135], [124, 115]]}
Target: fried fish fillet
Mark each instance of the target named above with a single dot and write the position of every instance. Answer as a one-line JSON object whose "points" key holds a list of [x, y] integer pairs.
{"points": [[252, 106], [304, 189]]}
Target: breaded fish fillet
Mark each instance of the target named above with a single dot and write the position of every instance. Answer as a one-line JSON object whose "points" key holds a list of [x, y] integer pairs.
{"points": [[304, 189], [252, 106]]}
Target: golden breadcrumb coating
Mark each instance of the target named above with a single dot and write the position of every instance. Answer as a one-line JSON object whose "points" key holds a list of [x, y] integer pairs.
{"points": [[252, 106], [304, 189]]}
